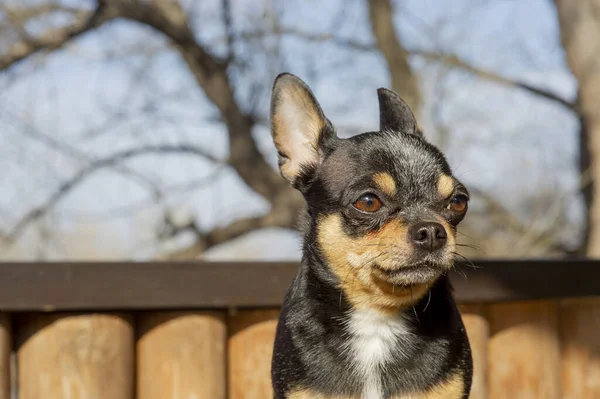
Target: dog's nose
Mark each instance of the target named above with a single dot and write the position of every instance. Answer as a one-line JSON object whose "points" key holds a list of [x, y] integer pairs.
{"points": [[429, 236]]}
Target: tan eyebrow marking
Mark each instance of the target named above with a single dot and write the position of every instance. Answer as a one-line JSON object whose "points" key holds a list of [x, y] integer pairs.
{"points": [[386, 183], [445, 185]]}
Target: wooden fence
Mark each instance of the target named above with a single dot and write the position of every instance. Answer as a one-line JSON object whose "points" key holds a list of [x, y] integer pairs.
{"points": [[205, 330]]}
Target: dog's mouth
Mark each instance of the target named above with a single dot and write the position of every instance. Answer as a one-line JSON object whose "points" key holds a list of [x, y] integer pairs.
{"points": [[416, 273]]}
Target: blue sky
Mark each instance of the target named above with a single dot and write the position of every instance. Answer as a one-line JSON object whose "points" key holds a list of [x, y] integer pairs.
{"points": [[502, 139]]}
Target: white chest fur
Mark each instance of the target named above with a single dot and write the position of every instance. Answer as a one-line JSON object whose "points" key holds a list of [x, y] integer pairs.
{"points": [[374, 337]]}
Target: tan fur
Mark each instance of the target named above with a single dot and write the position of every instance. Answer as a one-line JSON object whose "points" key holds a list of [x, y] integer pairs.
{"points": [[296, 126], [451, 243], [445, 185], [351, 259], [386, 183], [307, 394], [450, 389]]}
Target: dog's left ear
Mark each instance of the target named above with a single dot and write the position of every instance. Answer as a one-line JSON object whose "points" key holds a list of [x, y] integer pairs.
{"points": [[395, 114], [300, 130]]}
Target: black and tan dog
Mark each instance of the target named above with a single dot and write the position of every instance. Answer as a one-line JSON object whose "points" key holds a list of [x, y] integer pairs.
{"points": [[370, 313]]}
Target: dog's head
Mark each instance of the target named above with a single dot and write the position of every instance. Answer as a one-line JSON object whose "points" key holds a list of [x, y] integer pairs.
{"points": [[384, 205]]}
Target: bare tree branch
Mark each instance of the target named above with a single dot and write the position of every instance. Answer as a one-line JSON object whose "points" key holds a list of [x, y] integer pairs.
{"points": [[220, 235], [56, 38], [544, 232], [68, 150], [210, 72], [20, 15], [448, 59], [228, 25], [129, 209], [168, 18], [404, 81], [455, 61], [68, 186], [579, 24]]}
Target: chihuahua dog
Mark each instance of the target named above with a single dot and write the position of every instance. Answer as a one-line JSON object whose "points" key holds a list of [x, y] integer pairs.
{"points": [[370, 313]]}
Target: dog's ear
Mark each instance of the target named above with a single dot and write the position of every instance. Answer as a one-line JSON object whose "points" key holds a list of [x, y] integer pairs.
{"points": [[395, 114], [300, 130]]}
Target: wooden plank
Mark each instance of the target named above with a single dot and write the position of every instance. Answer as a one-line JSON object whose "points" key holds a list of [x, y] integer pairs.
{"points": [[580, 337], [181, 355], [524, 351], [173, 286], [5, 355], [193, 285], [478, 329], [75, 356], [252, 334]]}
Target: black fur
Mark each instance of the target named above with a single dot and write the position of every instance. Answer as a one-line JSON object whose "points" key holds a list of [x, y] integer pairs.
{"points": [[310, 336], [312, 330]]}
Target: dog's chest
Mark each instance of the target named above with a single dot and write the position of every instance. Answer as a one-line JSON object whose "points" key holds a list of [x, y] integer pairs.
{"points": [[374, 339]]}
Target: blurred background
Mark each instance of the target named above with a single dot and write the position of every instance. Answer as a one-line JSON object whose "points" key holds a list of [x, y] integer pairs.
{"points": [[137, 130]]}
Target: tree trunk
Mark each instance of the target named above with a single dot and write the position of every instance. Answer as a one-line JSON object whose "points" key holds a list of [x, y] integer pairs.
{"points": [[404, 81], [580, 34]]}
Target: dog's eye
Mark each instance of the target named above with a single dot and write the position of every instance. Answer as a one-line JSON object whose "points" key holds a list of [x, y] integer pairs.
{"points": [[368, 203], [458, 203]]}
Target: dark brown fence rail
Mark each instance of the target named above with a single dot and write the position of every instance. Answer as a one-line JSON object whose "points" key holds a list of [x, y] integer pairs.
{"points": [[182, 285], [205, 330]]}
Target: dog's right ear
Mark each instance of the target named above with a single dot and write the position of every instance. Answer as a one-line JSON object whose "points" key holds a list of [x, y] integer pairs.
{"points": [[300, 130]]}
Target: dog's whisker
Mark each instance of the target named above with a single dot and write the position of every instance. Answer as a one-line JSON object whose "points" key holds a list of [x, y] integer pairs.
{"points": [[413, 306], [467, 261], [428, 300], [474, 247], [461, 272]]}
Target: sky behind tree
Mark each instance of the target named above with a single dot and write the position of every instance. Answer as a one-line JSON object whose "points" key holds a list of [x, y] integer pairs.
{"points": [[122, 86]]}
